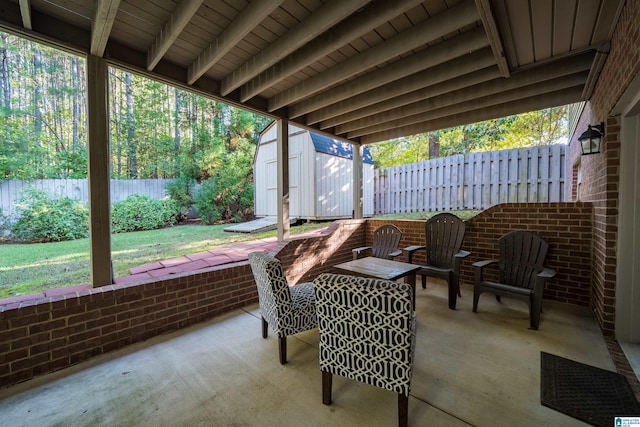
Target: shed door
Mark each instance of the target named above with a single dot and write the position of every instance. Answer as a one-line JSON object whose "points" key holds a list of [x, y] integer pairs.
{"points": [[294, 187]]}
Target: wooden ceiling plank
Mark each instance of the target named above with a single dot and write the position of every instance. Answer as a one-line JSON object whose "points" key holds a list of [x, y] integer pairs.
{"points": [[171, 30], [542, 17], [470, 41], [101, 24], [317, 23], [431, 29], [461, 101], [586, 15], [25, 11], [491, 29], [248, 19], [347, 30], [563, 21], [522, 32], [538, 102]]}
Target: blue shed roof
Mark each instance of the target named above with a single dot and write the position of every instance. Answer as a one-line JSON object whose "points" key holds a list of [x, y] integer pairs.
{"points": [[324, 144]]}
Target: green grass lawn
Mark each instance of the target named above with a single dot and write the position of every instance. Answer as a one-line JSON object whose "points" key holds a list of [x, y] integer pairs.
{"points": [[31, 268]]}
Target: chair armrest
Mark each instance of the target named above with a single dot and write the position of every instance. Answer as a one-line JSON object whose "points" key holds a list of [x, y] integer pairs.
{"points": [[547, 273], [358, 251], [462, 254], [484, 263], [409, 250], [479, 269]]}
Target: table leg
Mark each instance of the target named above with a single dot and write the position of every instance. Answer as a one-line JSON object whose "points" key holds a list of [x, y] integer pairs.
{"points": [[411, 280]]}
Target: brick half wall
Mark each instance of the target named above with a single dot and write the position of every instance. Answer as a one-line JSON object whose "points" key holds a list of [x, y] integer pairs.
{"points": [[43, 335], [566, 226]]}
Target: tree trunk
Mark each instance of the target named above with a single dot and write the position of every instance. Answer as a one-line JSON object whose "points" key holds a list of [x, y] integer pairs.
{"points": [[434, 145], [131, 145]]}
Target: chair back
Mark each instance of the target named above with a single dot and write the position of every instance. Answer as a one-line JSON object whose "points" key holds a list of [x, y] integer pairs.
{"points": [[444, 233], [522, 255], [367, 330], [386, 239], [273, 290]]}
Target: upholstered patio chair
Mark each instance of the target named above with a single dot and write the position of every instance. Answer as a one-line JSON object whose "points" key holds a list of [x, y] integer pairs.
{"points": [[386, 239], [444, 233], [367, 333], [286, 309], [522, 275]]}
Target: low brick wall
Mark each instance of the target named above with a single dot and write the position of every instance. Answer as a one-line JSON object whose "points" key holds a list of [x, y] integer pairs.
{"points": [[566, 226], [47, 334]]}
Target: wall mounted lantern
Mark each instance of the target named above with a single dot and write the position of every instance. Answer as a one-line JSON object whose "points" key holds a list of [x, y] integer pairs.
{"points": [[590, 139]]}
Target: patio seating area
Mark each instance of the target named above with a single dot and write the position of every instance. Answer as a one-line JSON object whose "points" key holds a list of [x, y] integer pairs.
{"points": [[479, 369]]}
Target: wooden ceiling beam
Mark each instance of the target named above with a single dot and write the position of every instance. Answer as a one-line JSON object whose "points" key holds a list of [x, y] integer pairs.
{"points": [[101, 24], [25, 11], [521, 81], [171, 30], [470, 41], [351, 28], [417, 36], [414, 87], [464, 100], [317, 23], [538, 102], [491, 29], [247, 20]]}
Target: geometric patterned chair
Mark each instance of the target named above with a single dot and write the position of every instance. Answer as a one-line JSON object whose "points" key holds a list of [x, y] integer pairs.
{"points": [[386, 239], [444, 233], [521, 273], [287, 310], [367, 333]]}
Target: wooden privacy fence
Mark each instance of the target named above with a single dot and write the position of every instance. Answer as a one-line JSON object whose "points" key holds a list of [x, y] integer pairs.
{"points": [[473, 181], [78, 189]]}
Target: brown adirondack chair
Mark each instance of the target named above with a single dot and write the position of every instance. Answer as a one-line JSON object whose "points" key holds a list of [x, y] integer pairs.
{"points": [[386, 239], [444, 234], [522, 275]]}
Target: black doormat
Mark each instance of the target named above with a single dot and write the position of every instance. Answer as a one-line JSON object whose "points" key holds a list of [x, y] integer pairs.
{"points": [[593, 395]]}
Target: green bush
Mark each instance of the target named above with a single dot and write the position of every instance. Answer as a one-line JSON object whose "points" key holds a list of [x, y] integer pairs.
{"points": [[44, 218], [181, 193], [205, 202], [140, 212]]}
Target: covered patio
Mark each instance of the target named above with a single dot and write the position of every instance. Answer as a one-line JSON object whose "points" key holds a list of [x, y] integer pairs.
{"points": [[471, 369], [186, 349]]}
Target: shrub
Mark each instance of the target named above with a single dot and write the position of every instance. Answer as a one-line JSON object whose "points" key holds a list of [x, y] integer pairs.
{"points": [[205, 202], [140, 212], [181, 193], [43, 218]]}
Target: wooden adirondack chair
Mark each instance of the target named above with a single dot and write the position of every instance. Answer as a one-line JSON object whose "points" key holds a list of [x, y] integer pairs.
{"points": [[386, 239], [444, 234], [522, 275]]}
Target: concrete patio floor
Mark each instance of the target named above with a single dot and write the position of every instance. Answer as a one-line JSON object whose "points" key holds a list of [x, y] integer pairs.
{"points": [[470, 369]]}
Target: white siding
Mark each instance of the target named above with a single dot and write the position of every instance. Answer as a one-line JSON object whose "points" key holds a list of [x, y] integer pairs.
{"points": [[334, 191], [367, 190]]}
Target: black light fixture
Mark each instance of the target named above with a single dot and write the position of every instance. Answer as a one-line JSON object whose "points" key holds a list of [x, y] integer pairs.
{"points": [[590, 140]]}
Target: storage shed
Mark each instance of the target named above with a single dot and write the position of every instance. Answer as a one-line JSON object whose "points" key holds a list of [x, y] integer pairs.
{"points": [[320, 176]]}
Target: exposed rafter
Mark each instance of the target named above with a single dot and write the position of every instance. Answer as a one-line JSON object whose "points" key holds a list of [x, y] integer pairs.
{"points": [[573, 68], [25, 11], [101, 24], [461, 72], [465, 100], [562, 97], [317, 23], [250, 17], [489, 24], [356, 25], [417, 36], [442, 52], [171, 30]]}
